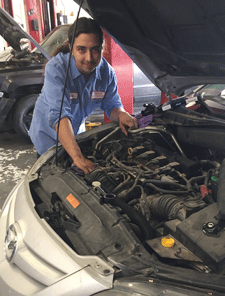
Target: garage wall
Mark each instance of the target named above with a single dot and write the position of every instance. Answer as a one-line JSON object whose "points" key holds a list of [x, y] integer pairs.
{"points": [[70, 9], [65, 7], [19, 12]]}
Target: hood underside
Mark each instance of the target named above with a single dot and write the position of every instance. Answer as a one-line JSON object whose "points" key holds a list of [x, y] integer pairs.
{"points": [[176, 43], [11, 31]]}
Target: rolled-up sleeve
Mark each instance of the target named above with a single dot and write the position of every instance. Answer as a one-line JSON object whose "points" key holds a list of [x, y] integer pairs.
{"points": [[112, 99], [53, 88]]}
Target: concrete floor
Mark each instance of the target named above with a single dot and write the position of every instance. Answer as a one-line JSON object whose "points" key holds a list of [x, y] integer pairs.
{"points": [[16, 157]]}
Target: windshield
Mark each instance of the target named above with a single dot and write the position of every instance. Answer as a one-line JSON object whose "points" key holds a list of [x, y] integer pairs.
{"points": [[209, 99], [54, 39], [214, 92]]}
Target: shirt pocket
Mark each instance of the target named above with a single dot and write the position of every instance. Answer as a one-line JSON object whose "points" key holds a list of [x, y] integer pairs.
{"points": [[96, 101]]}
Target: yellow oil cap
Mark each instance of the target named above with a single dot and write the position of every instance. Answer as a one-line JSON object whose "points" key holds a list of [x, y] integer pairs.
{"points": [[167, 242], [90, 125]]}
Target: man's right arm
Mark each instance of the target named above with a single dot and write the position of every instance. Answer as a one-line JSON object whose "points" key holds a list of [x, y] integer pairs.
{"points": [[68, 141]]}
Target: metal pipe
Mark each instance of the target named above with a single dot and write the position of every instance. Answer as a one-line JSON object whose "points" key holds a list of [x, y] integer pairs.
{"points": [[105, 138]]}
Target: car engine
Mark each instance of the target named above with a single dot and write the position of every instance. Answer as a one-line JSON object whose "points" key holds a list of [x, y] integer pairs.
{"points": [[148, 199]]}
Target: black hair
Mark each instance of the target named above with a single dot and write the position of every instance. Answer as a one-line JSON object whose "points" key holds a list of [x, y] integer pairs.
{"points": [[83, 26]]}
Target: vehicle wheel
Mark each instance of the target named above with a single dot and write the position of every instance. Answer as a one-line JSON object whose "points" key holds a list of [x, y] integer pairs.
{"points": [[22, 115]]}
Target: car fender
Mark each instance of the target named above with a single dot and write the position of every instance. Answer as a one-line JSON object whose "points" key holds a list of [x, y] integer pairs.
{"points": [[12, 89], [22, 78]]}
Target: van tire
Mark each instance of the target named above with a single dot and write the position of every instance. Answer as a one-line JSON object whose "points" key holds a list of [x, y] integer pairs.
{"points": [[22, 115]]}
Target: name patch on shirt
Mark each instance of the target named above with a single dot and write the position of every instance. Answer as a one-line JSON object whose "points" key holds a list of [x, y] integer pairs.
{"points": [[73, 96], [98, 94]]}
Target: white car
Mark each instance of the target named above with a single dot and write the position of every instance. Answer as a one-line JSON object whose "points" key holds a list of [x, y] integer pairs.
{"points": [[150, 218]]}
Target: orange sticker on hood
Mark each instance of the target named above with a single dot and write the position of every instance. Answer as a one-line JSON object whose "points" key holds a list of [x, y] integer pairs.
{"points": [[73, 201]]}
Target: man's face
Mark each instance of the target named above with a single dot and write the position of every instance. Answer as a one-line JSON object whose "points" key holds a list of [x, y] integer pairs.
{"points": [[87, 51]]}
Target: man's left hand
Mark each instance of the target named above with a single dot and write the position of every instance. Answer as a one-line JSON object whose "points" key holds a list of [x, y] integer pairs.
{"points": [[126, 120]]}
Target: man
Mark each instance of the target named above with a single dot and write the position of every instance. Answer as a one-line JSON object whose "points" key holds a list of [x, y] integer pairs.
{"points": [[91, 83]]}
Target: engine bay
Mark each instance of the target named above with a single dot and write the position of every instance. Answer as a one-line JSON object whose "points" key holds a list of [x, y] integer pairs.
{"points": [[25, 58], [148, 199]]}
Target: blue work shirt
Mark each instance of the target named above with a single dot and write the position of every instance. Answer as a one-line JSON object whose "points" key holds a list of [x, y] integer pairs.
{"points": [[80, 100]]}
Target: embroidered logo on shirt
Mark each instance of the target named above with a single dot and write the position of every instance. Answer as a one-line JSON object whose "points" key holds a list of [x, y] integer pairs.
{"points": [[98, 94], [73, 95]]}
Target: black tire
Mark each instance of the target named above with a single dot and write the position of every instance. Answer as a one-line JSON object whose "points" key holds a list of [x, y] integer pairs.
{"points": [[22, 115]]}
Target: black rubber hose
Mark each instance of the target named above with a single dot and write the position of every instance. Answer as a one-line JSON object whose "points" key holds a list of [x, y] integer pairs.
{"points": [[135, 216], [168, 206], [194, 179], [207, 178], [213, 164], [177, 192], [221, 192], [160, 183]]}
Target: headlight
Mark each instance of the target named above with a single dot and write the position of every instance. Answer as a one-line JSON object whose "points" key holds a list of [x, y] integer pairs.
{"points": [[11, 242]]}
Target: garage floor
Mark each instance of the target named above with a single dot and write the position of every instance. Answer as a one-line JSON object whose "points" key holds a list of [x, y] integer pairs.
{"points": [[16, 157]]}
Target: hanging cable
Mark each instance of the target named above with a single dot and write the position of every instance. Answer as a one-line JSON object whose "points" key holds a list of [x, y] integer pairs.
{"points": [[67, 71]]}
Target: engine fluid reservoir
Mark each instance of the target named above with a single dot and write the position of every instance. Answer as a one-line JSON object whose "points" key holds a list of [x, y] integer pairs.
{"points": [[209, 248]]}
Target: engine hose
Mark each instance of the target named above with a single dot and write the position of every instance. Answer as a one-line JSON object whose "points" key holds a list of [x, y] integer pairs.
{"points": [[136, 192], [165, 183], [181, 176], [133, 186], [141, 197], [164, 190], [221, 192], [207, 178], [112, 154], [104, 139], [135, 217], [128, 169], [168, 207], [133, 202], [192, 180], [121, 185], [214, 164]]}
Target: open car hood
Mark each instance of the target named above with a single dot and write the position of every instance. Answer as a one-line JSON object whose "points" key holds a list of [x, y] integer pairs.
{"points": [[13, 33], [176, 43]]}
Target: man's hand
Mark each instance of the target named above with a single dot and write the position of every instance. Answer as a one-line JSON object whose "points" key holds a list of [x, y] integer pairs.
{"points": [[127, 120], [124, 119], [83, 163], [67, 139]]}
